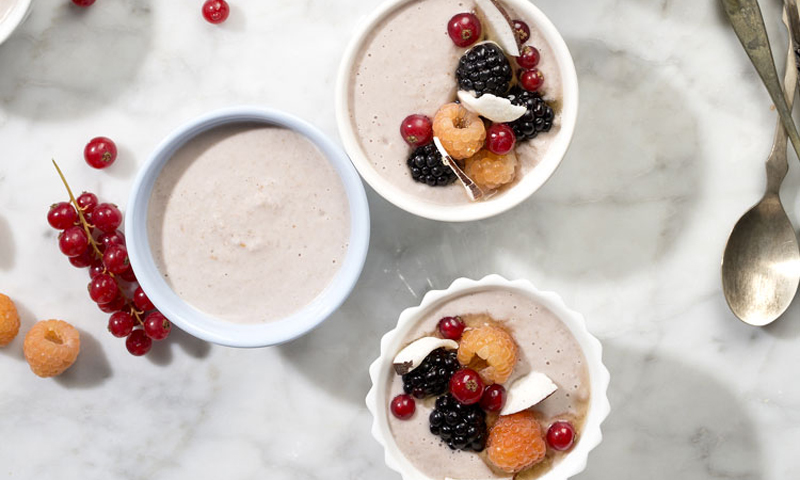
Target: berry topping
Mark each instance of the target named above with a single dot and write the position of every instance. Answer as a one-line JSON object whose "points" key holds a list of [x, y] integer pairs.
{"points": [[538, 118], [493, 398], [463, 427], [451, 327], [156, 326], [433, 374], [73, 241], [464, 29], [86, 201], [403, 406], [107, 217], [491, 171], [62, 216], [9, 320], [522, 30], [100, 152], [51, 346], [216, 11], [115, 259], [121, 324], [141, 301], [138, 343], [427, 166], [561, 436], [461, 132], [516, 442], [484, 69], [495, 346], [417, 130], [528, 57], [103, 288], [466, 386], [500, 139], [531, 80]]}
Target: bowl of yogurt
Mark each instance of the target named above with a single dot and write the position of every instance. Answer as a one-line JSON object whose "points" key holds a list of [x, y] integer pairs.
{"points": [[247, 227], [401, 62], [12, 14], [557, 377]]}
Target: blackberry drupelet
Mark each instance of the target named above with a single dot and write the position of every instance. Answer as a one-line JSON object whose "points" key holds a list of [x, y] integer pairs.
{"points": [[538, 118], [462, 427], [427, 166], [484, 69], [432, 377]]}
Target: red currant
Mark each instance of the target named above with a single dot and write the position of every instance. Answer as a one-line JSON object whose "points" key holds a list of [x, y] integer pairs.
{"points": [[500, 139], [417, 130], [128, 275], [522, 30], [138, 343], [103, 288], [528, 57], [113, 306], [451, 327], [464, 29], [83, 260], [83, 3], [531, 80], [156, 326], [96, 268], [114, 238], [403, 406], [106, 217], [62, 216], [115, 259], [141, 301], [561, 436], [493, 398], [466, 386], [73, 241], [86, 201], [216, 11], [100, 152], [121, 324]]}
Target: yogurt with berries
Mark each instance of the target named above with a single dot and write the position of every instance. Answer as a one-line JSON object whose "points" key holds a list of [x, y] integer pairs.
{"points": [[248, 223], [405, 73], [449, 427]]}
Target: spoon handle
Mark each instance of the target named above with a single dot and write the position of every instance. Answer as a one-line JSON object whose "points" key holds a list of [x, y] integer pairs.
{"points": [[748, 23]]}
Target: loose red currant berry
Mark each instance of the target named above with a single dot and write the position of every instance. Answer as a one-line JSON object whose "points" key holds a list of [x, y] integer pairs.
{"points": [[86, 201], [100, 152], [531, 80], [83, 3], [464, 29], [522, 30], [138, 343], [103, 288], [106, 217], [500, 139], [121, 324], [83, 260], [156, 326], [115, 259], [493, 398], [466, 386], [451, 327], [561, 436], [62, 216], [113, 306], [73, 241], [417, 130], [216, 11], [141, 301], [528, 57], [114, 238], [96, 268], [403, 406]]}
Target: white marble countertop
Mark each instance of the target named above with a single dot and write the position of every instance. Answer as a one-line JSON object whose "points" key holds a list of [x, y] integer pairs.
{"points": [[673, 130]]}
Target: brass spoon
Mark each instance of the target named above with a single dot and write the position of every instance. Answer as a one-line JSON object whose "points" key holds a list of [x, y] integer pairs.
{"points": [[761, 263]]}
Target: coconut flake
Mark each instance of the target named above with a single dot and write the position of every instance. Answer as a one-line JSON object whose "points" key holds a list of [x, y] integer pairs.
{"points": [[527, 391], [414, 354], [498, 25], [496, 109], [473, 190]]}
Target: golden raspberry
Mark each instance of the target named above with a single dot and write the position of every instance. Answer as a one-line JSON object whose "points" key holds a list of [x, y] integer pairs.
{"points": [[461, 132], [495, 346], [491, 171], [9, 320], [51, 347], [516, 442]]}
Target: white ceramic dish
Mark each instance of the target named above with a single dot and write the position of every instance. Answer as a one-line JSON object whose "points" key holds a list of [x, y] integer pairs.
{"points": [[529, 184], [19, 11], [219, 331], [599, 408]]}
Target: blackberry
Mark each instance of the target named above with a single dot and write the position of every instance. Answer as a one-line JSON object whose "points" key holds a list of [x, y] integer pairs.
{"points": [[462, 427], [432, 377], [427, 166], [484, 69], [538, 118]]}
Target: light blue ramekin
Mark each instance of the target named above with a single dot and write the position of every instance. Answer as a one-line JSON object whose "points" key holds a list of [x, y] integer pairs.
{"points": [[209, 328]]}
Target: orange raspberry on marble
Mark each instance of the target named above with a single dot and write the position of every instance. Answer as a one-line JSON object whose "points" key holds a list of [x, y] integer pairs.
{"points": [[51, 347], [491, 171], [516, 442], [9, 320], [461, 132], [492, 344]]}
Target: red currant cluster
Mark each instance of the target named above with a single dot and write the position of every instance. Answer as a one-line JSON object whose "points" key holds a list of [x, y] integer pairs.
{"points": [[214, 11], [90, 237]]}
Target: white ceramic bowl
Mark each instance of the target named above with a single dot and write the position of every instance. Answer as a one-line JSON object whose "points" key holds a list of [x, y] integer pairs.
{"points": [[19, 11], [575, 461], [219, 331], [467, 211]]}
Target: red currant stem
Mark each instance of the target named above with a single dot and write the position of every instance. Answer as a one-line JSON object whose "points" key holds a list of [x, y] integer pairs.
{"points": [[84, 223]]}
